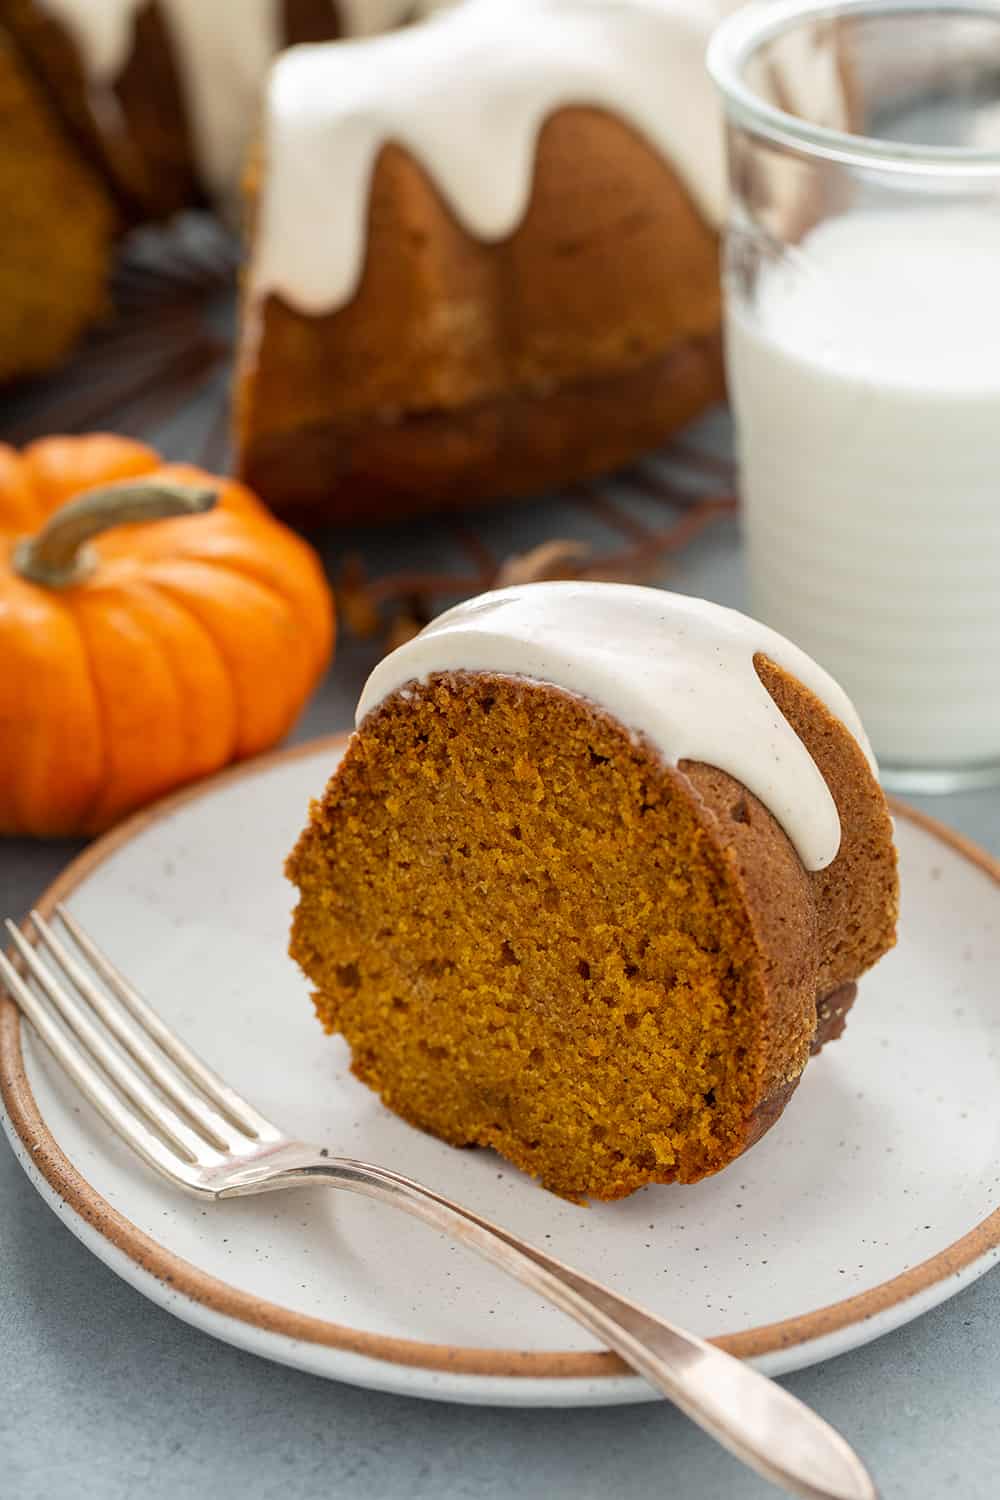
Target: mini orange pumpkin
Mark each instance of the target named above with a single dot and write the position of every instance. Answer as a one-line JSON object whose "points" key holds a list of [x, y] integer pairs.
{"points": [[155, 653]]}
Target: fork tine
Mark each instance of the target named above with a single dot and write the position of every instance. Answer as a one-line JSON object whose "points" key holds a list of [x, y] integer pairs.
{"points": [[226, 1098], [90, 1083], [208, 1120], [121, 1073]]}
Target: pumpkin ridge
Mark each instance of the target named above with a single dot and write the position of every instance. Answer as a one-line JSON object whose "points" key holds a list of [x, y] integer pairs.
{"points": [[63, 606], [20, 506], [245, 569], [90, 459], [89, 821], [25, 770], [150, 587], [218, 565], [176, 592]]}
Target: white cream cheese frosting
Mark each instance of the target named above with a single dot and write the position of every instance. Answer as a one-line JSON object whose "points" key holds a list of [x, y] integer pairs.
{"points": [[102, 31], [223, 53], [679, 671], [223, 50], [467, 94]]}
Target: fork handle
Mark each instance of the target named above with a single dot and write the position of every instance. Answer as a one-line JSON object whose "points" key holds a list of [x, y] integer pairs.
{"points": [[757, 1420]]}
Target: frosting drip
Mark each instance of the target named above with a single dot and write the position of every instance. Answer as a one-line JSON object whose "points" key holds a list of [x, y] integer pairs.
{"points": [[102, 31], [223, 66], [680, 671], [222, 58], [223, 50], [467, 95]]}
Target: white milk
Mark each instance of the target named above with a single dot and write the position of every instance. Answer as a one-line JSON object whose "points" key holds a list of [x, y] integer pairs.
{"points": [[866, 383]]}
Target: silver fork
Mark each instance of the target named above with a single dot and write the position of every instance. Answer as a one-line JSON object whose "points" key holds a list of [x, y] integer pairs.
{"points": [[189, 1125]]}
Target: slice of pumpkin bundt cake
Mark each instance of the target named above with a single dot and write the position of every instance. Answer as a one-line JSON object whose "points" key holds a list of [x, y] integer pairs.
{"points": [[597, 872]]}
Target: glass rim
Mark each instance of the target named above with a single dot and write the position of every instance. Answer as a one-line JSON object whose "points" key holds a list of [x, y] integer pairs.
{"points": [[737, 38]]}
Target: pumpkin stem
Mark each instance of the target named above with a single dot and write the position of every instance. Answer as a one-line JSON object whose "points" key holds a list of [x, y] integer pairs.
{"points": [[59, 556]]}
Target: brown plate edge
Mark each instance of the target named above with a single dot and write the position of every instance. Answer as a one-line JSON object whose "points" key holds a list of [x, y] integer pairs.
{"points": [[209, 1292]]}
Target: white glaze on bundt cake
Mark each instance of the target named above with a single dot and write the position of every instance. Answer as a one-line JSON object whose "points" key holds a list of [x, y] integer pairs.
{"points": [[167, 93], [599, 869]]}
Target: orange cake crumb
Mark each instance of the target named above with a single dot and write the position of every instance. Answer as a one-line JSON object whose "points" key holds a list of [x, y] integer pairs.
{"points": [[535, 936]]}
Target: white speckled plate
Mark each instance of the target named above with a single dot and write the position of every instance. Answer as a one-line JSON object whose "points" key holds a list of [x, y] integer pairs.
{"points": [[874, 1197]]}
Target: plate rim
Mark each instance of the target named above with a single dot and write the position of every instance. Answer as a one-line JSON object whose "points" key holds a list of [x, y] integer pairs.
{"points": [[200, 1288]]}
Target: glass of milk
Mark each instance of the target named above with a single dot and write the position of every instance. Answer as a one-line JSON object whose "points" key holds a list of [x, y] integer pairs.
{"points": [[862, 271]]}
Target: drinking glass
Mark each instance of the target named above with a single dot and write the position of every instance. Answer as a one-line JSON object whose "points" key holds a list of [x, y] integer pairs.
{"points": [[862, 281]]}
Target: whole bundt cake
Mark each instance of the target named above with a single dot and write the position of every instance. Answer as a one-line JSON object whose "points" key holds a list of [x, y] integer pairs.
{"points": [[597, 872], [485, 257]]}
